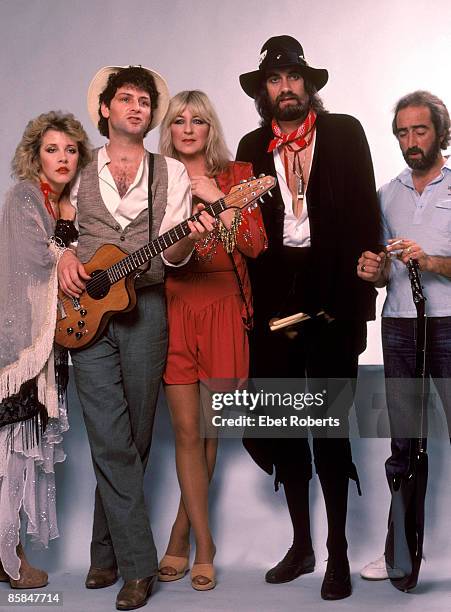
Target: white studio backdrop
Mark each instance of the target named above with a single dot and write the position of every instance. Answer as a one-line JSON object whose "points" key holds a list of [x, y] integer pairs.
{"points": [[375, 53]]}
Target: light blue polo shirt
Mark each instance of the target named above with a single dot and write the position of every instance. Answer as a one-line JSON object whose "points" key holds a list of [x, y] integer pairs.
{"points": [[426, 219]]}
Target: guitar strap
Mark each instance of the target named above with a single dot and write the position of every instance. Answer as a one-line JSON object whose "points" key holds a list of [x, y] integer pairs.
{"points": [[151, 160], [248, 320]]}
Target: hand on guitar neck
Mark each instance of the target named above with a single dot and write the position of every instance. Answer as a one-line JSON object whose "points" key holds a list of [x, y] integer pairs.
{"points": [[199, 229]]}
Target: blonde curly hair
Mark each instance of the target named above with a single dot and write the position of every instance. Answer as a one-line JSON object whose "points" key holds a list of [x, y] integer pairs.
{"points": [[217, 155], [25, 163]]}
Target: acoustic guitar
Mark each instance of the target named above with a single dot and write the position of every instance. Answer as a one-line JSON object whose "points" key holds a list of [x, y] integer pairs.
{"points": [[111, 289]]}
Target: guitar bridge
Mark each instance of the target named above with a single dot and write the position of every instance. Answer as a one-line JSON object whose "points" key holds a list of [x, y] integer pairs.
{"points": [[76, 303]]}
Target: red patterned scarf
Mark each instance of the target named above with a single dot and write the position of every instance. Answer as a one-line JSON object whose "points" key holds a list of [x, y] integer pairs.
{"points": [[302, 136]]}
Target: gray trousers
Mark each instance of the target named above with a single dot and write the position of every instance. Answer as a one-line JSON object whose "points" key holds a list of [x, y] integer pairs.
{"points": [[117, 380]]}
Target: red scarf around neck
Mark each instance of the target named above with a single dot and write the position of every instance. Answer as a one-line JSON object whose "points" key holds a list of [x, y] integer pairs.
{"points": [[46, 191], [302, 136]]}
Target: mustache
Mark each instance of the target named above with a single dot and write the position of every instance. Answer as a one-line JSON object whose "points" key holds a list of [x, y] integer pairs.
{"points": [[287, 96], [414, 150]]}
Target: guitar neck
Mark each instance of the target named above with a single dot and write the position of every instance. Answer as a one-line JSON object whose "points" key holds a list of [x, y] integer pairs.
{"points": [[135, 260]]}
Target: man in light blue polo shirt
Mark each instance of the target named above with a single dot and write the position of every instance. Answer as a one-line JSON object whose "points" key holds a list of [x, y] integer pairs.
{"points": [[416, 212]]}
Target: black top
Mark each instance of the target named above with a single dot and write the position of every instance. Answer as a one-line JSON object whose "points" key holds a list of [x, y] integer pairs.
{"points": [[344, 220], [66, 231]]}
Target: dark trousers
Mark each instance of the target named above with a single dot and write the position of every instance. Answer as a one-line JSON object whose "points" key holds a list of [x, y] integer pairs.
{"points": [[403, 390], [327, 354], [118, 379]]}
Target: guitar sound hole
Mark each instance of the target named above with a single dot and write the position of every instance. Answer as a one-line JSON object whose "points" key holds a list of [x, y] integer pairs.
{"points": [[99, 285]]}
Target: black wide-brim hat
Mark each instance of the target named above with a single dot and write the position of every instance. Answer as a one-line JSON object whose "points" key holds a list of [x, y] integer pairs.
{"points": [[280, 52]]}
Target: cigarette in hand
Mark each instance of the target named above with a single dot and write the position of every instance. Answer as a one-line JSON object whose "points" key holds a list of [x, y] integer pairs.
{"points": [[391, 253], [392, 244]]}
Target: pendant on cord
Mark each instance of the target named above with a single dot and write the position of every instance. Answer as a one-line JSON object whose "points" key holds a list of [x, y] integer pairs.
{"points": [[300, 185]]}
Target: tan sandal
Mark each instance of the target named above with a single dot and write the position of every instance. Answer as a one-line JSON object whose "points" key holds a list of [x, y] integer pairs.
{"points": [[203, 570], [179, 564]]}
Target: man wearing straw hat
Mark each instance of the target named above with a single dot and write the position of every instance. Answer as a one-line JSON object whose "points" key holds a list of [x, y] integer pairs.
{"points": [[324, 207], [118, 377]]}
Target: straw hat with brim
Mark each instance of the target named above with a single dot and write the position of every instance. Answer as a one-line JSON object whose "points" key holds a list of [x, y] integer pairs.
{"points": [[280, 52], [99, 82]]}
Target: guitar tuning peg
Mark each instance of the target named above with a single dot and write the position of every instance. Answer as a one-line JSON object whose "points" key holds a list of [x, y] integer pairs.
{"points": [[261, 199], [270, 194], [252, 178], [243, 181], [261, 175]]}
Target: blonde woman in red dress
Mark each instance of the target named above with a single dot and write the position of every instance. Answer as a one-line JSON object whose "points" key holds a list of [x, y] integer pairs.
{"points": [[209, 309]]}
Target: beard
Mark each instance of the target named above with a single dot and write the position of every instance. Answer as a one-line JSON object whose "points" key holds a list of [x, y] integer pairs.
{"points": [[290, 112], [427, 159]]}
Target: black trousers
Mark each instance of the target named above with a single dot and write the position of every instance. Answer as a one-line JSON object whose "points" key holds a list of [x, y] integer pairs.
{"points": [[326, 354]]}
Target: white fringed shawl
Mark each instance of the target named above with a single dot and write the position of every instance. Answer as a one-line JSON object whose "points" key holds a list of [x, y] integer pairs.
{"points": [[28, 294]]}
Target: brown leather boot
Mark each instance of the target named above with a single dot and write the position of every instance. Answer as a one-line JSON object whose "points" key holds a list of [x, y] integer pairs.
{"points": [[3, 575], [135, 593], [101, 577], [30, 577]]}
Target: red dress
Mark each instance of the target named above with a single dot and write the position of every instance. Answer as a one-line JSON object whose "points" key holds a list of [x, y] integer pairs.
{"points": [[207, 334]]}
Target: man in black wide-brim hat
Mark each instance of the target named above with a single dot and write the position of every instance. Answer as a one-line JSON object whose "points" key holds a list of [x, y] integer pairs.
{"points": [[323, 211]]}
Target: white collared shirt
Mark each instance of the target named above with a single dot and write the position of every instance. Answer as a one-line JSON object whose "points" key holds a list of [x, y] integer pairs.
{"points": [[296, 232], [124, 210]]}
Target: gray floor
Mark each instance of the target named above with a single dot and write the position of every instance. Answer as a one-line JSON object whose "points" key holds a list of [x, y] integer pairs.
{"points": [[245, 591], [251, 526]]}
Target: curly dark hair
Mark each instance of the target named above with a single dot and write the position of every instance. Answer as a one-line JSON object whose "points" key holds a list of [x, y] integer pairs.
{"points": [[264, 106], [439, 113], [135, 76]]}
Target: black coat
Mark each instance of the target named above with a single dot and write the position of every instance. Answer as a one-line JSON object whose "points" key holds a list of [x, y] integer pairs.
{"points": [[344, 220]]}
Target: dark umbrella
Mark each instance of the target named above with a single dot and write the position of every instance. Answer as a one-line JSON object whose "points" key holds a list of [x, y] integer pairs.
{"points": [[404, 544]]}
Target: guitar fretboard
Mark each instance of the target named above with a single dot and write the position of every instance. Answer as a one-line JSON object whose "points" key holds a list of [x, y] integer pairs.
{"points": [[135, 260]]}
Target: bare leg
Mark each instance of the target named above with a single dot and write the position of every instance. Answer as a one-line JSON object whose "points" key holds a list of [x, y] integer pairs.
{"points": [[178, 544], [210, 433], [195, 459]]}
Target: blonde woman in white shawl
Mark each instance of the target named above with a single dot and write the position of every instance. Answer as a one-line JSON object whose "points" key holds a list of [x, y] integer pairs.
{"points": [[36, 226]]}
